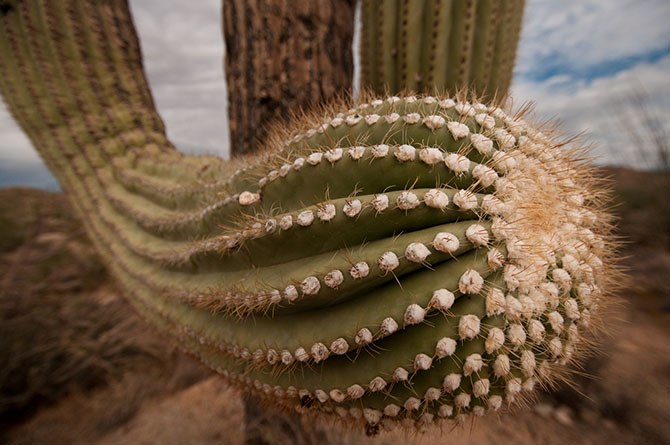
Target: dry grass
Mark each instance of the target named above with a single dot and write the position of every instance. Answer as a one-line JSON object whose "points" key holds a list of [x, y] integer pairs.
{"points": [[63, 328]]}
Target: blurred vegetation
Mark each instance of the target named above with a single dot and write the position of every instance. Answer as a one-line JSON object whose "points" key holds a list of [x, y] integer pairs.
{"points": [[63, 328]]}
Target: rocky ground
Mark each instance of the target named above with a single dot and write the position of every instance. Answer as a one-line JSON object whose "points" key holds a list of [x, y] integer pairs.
{"points": [[80, 367]]}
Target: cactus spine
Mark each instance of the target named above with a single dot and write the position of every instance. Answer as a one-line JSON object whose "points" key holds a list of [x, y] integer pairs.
{"points": [[411, 260], [440, 45]]}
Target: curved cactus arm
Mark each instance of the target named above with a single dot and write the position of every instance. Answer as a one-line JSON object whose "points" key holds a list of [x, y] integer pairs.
{"points": [[407, 260], [440, 45]]}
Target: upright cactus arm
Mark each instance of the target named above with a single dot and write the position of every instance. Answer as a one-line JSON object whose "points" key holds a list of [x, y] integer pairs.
{"points": [[407, 260], [440, 45]]}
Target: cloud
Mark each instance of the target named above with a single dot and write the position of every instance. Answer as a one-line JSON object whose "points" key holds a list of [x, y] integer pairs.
{"points": [[182, 46], [588, 38], [15, 147], [581, 62]]}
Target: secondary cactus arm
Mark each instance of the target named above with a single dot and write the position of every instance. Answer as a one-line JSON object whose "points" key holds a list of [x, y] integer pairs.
{"points": [[440, 45]]}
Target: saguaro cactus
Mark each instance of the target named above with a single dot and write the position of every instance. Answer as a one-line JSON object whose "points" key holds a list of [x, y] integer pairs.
{"points": [[440, 45], [282, 55], [408, 260]]}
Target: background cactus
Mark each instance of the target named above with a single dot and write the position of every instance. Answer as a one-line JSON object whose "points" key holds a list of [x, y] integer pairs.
{"points": [[411, 259], [438, 45]]}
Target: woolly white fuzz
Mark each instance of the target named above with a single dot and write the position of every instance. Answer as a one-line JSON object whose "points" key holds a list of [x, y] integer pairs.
{"points": [[495, 302], [357, 152], [412, 118], [359, 270], [422, 362], [355, 391], [414, 314], [436, 199], [352, 208], [372, 118], [391, 410], [481, 388], [377, 384], [326, 212], [248, 198], [481, 143], [465, 200], [412, 404], [501, 365], [305, 218], [310, 286], [457, 163], [505, 140], [380, 203], [473, 364], [434, 122], [400, 375], [388, 261], [462, 400], [379, 151], [468, 326], [301, 355], [471, 282], [407, 201], [494, 340], [339, 346], [392, 117], [451, 382], [486, 121], [291, 293], [405, 153], [314, 158], [516, 334], [513, 307], [446, 242], [334, 154], [353, 119], [333, 278], [458, 130], [431, 155], [536, 331], [320, 352], [363, 337], [477, 235], [417, 252], [446, 103], [445, 347], [485, 175], [528, 363], [286, 222], [465, 109], [388, 326], [555, 321], [337, 395], [442, 300]]}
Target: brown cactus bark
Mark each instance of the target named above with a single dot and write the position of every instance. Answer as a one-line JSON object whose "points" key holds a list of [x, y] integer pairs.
{"points": [[282, 55]]}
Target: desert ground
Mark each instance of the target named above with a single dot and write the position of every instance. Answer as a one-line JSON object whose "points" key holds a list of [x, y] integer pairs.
{"points": [[79, 366]]}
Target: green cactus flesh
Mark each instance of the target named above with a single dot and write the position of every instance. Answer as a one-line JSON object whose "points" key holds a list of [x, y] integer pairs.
{"points": [[407, 261], [437, 45]]}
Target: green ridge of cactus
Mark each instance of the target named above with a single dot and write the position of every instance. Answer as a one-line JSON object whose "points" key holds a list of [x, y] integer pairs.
{"points": [[411, 260], [434, 46]]}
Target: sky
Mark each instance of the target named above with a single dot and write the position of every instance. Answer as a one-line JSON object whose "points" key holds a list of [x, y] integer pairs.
{"points": [[579, 61]]}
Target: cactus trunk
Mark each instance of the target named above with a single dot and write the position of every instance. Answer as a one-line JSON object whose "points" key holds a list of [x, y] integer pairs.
{"points": [[281, 56]]}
